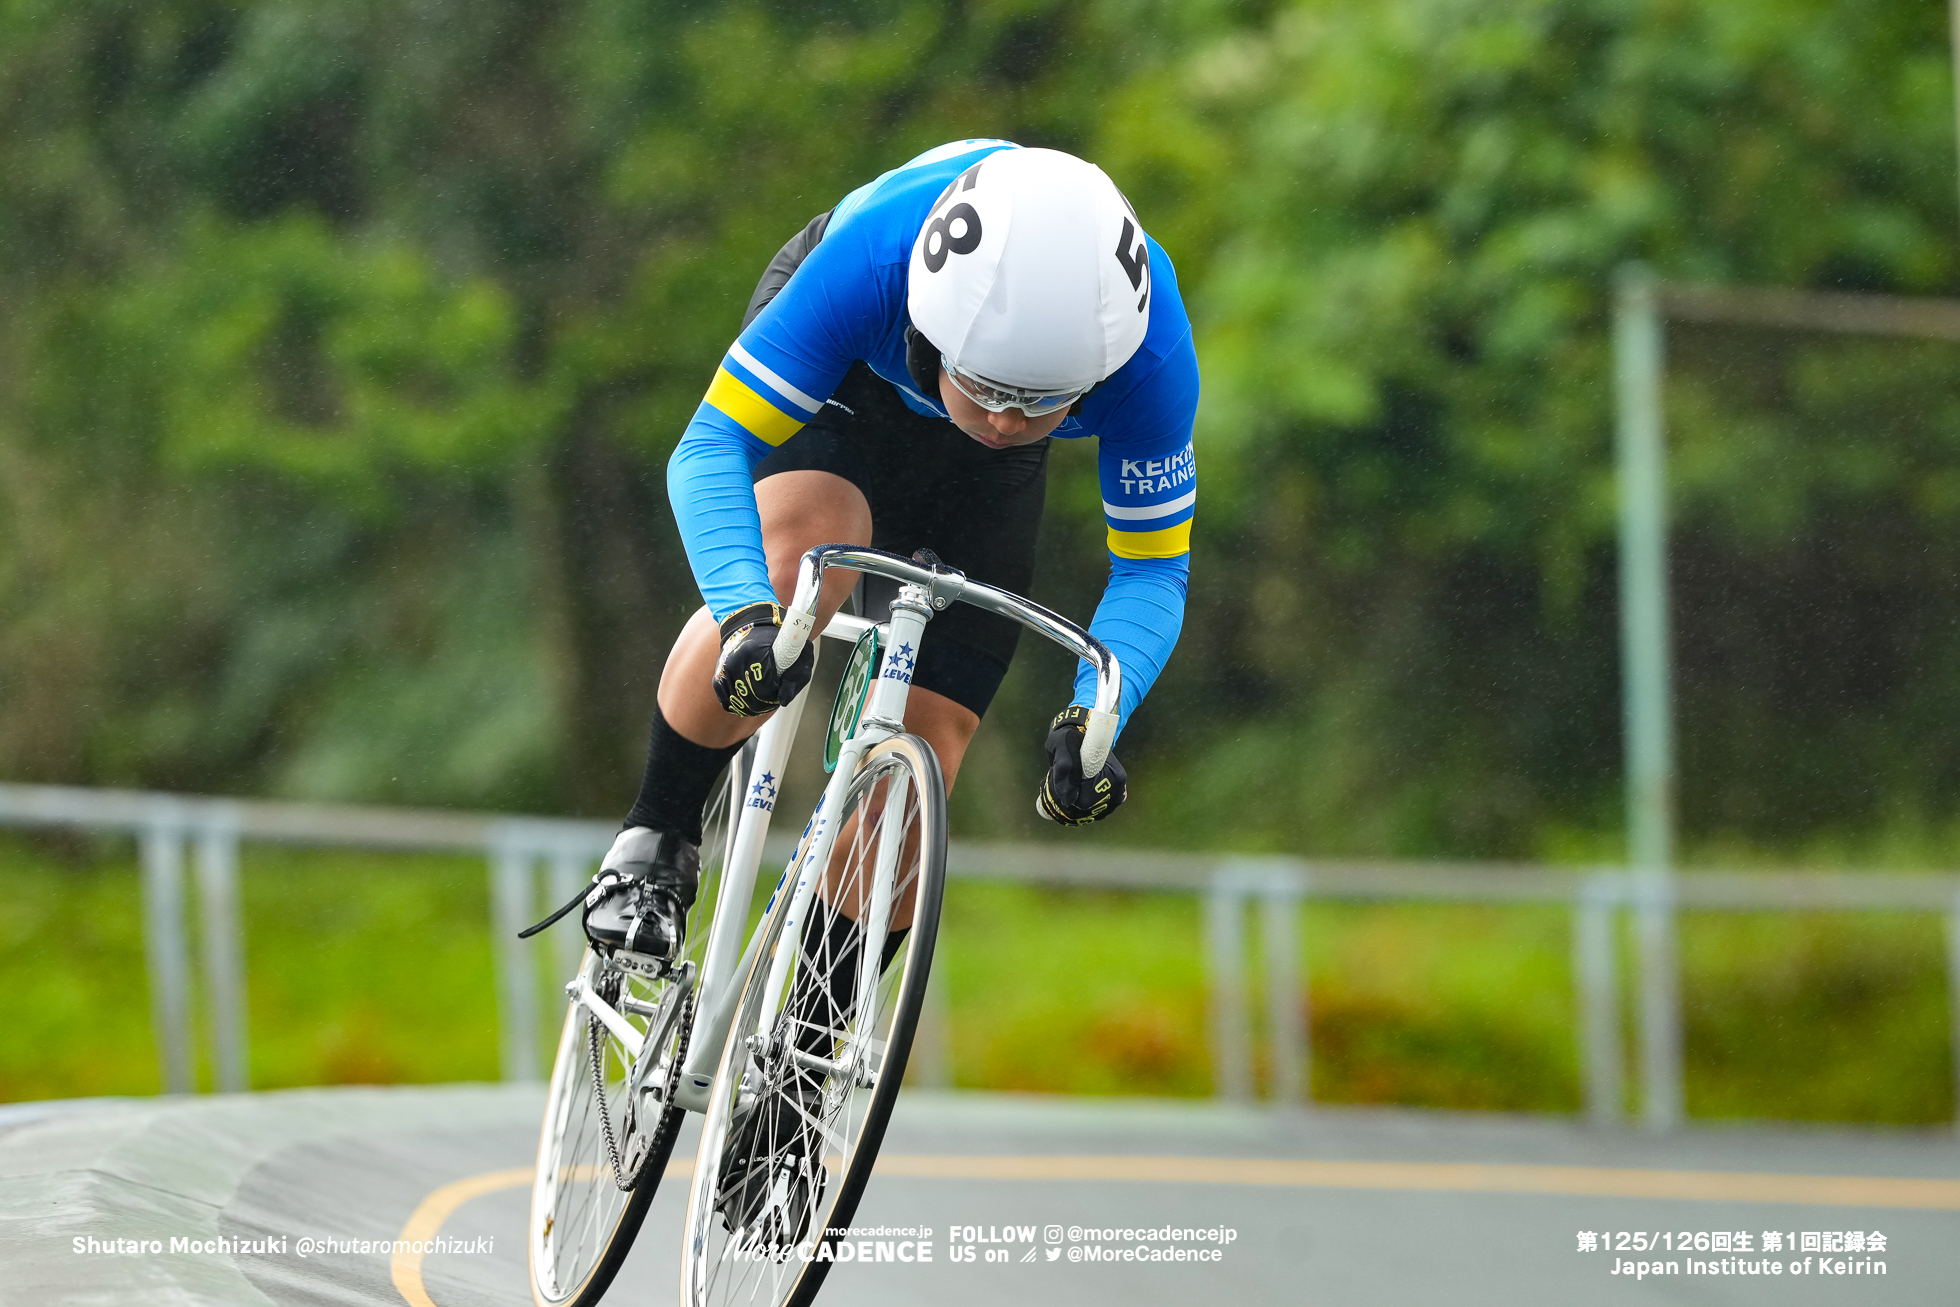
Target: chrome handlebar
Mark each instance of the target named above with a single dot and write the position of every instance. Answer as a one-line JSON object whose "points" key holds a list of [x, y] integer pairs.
{"points": [[946, 585]]}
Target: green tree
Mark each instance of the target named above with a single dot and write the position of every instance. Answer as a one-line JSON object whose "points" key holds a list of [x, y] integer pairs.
{"points": [[344, 346], [1399, 221]]}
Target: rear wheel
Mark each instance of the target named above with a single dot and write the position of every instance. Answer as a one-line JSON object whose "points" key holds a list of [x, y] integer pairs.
{"points": [[818, 1047], [608, 1130]]}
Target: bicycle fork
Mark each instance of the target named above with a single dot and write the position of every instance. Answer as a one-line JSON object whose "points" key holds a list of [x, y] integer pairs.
{"points": [[753, 797], [884, 716]]}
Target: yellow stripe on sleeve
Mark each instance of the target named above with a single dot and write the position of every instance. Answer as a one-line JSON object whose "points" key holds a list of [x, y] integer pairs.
{"points": [[760, 418], [1167, 543]]}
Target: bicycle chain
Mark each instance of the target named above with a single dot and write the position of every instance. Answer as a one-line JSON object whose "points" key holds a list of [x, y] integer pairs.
{"points": [[599, 1091], [595, 1043]]}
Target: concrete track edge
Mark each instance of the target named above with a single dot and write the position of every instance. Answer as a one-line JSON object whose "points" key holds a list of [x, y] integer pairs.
{"points": [[166, 1167], [362, 1159]]}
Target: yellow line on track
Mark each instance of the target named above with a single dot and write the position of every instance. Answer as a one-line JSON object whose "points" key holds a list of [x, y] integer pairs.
{"points": [[1449, 1177], [1416, 1177], [425, 1222]]}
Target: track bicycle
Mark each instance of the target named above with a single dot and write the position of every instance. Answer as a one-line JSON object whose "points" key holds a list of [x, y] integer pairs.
{"points": [[792, 1044]]}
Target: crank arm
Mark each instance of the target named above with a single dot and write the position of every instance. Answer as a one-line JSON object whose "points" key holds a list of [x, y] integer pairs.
{"points": [[661, 1028]]}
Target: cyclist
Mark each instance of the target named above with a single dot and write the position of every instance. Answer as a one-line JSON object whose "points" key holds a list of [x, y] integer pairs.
{"points": [[900, 371]]}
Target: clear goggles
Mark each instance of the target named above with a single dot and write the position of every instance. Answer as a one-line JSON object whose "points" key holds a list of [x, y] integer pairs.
{"points": [[996, 398]]}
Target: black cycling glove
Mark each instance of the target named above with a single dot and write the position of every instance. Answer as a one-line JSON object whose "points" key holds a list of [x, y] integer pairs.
{"points": [[1067, 797], [747, 680]]}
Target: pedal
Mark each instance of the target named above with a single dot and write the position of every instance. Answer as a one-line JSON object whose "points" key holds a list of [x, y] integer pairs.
{"points": [[641, 965]]}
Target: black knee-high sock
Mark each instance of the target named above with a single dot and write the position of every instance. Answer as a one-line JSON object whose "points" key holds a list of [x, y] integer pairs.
{"points": [[831, 940], [680, 775]]}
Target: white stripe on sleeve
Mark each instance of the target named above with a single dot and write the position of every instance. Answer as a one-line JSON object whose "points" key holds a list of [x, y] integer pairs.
{"points": [[781, 387], [1148, 511]]}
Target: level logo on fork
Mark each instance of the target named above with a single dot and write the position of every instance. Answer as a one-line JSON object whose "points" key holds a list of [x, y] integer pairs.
{"points": [[898, 664]]}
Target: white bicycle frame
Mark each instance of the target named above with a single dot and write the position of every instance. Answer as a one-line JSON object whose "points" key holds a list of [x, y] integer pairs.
{"points": [[923, 591]]}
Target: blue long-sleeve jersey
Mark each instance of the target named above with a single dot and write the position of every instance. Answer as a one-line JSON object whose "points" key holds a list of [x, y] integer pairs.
{"points": [[846, 302]]}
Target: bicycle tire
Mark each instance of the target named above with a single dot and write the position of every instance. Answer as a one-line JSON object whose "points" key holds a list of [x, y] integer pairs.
{"points": [[571, 1146], [882, 1022]]}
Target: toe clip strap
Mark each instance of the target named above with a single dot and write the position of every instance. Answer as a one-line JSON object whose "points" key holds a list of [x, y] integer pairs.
{"points": [[603, 881]]}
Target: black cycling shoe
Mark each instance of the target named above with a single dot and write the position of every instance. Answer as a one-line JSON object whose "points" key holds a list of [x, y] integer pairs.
{"points": [[637, 907], [772, 1172]]}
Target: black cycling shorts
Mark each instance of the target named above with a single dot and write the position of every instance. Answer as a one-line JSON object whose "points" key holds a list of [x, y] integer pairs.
{"points": [[930, 486]]}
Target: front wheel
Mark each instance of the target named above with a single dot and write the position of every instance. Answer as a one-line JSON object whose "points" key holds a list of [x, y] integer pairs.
{"points": [[818, 1046]]}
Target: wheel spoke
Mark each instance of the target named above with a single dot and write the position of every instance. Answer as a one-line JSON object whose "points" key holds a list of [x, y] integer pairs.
{"points": [[818, 1127], [823, 1025], [582, 1221]]}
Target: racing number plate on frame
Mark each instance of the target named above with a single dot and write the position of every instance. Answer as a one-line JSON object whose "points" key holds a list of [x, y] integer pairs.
{"points": [[852, 691]]}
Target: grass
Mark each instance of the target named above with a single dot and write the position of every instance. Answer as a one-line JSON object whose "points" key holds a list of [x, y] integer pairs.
{"points": [[362, 969], [1442, 1006], [1817, 1017], [377, 969], [74, 1006], [1071, 991]]}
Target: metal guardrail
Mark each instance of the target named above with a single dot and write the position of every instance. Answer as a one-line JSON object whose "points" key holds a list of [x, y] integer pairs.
{"points": [[519, 848]]}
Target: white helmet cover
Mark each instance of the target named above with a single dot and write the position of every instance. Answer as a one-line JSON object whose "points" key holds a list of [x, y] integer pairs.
{"points": [[1032, 271]]}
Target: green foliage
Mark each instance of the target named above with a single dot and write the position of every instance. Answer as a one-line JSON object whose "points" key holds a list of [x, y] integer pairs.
{"points": [[363, 970], [1443, 1006], [367, 969], [338, 369], [77, 1012], [1817, 1018], [1074, 992], [345, 345], [1397, 223], [357, 973]]}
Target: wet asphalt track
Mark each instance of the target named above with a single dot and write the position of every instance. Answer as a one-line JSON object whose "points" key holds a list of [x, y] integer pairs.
{"points": [[1332, 1207]]}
